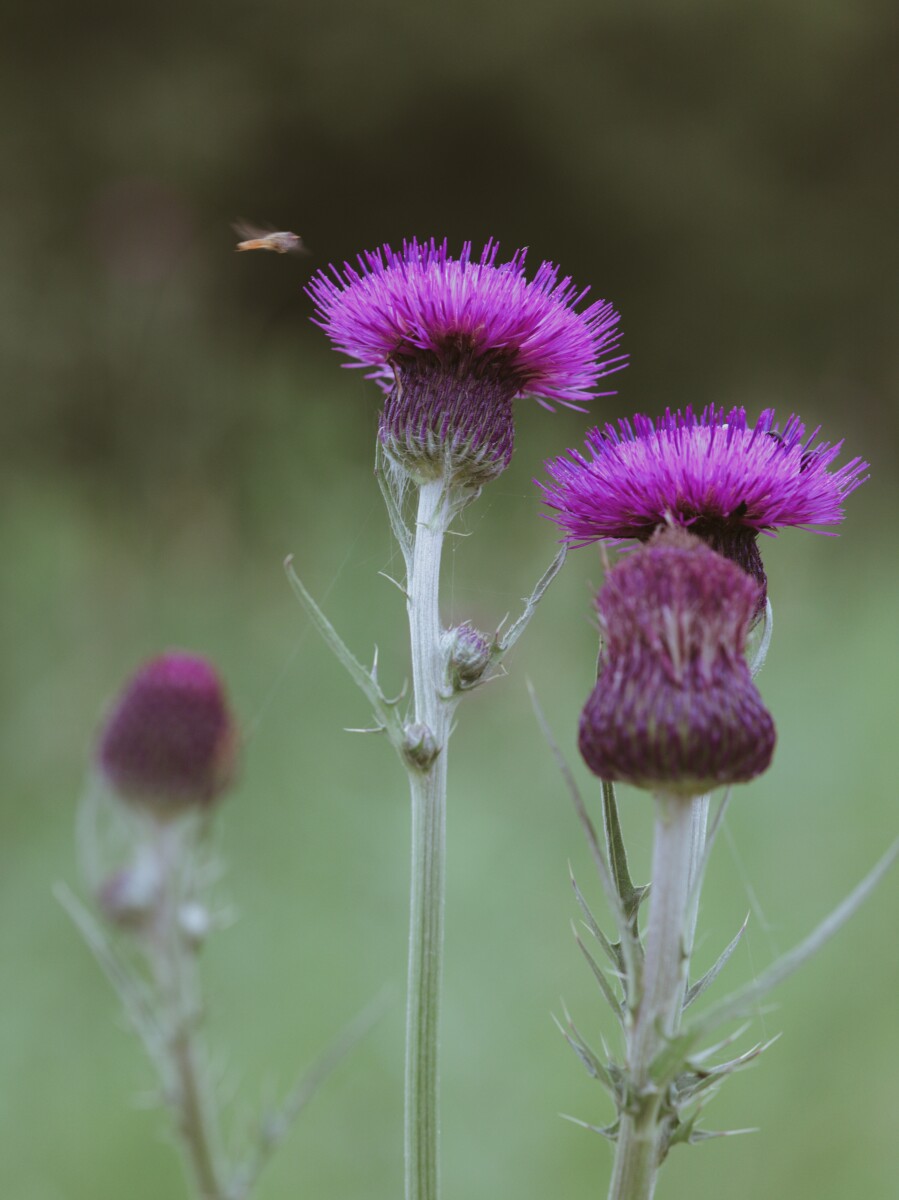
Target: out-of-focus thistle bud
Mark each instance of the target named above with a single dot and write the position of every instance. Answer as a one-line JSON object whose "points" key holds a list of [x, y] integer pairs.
{"points": [[170, 741], [674, 708], [195, 923], [129, 897], [419, 746], [468, 656]]}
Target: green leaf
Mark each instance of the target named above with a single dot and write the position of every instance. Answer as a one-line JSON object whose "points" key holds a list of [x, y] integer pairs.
{"points": [[364, 679], [590, 1060], [612, 951], [696, 990], [604, 986], [511, 636], [631, 896], [743, 1002], [631, 950], [610, 1132]]}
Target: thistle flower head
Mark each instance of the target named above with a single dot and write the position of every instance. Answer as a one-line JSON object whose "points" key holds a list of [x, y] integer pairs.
{"points": [[674, 707], [453, 341], [169, 743], [724, 480]]}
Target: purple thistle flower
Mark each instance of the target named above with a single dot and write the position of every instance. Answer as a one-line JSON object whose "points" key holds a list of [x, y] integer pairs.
{"points": [[170, 741], [713, 474], [453, 341], [674, 708]]}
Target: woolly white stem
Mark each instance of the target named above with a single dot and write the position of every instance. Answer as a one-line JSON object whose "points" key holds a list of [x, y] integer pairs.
{"points": [[639, 1146], [428, 788]]}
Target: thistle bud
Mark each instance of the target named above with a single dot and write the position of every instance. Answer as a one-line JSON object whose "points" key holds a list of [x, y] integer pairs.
{"points": [[674, 707], [170, 742], [419, 746], [468, 656], [129, 897]]}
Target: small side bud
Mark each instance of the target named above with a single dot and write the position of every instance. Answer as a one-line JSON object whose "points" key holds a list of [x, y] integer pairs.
{"points": [[419, 746], [195, 923], [674, 708], [130, 896], [169, 744], [468, 656]]}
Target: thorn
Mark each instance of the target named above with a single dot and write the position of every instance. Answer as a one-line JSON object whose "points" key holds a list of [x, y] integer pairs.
{"points": [[396, 584], [399, 696], [373, 729]]}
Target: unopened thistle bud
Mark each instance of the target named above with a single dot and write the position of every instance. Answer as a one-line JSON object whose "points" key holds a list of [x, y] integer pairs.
{"points": [[420, 746], [170, 741], [468, 656], [674, 708], [454, 341], [130, 896]]}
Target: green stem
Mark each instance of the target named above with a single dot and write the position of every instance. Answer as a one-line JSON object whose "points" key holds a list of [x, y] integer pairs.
{"points": [[428, 789], [640, 1140]]}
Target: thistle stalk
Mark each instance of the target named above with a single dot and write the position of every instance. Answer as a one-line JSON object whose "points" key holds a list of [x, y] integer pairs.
{"points": [[427, 782], [640, 1145]]}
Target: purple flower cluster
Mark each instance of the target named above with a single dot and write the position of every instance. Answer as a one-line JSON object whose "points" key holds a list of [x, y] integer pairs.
{"points": [[170, 740], [674, 707], [716, 475], [454, 341]]}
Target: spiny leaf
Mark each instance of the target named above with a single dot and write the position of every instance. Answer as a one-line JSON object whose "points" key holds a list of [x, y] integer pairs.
{"points": [[609, 1132], [743, 1001], [590, 1060], [592, 924], [630, 946], [384, 710], [274, 1127], [514, 632], [631, 896], [392, 487], [713, 972], [604, 986]]}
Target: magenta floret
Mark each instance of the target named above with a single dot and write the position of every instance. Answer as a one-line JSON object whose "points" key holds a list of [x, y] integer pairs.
{"points": [[713, 473], [397, 305], [454, 341]]}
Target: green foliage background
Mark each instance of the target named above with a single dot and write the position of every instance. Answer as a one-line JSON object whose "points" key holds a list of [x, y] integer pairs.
{"points": [[173, 426]]}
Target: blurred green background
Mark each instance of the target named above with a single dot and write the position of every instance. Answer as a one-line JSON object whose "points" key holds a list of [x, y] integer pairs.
{"points": [[173, 426]]}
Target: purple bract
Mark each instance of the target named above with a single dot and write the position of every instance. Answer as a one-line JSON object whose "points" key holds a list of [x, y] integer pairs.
{"points": [[674, 708], [454, 341]]}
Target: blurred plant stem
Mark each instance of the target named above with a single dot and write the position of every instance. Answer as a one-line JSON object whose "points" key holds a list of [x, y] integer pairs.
{"points": [[173, 960]]}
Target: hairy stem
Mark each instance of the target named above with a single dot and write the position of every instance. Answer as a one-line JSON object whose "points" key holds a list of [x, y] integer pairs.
{"points": [[640, 1141], [428, 787]]}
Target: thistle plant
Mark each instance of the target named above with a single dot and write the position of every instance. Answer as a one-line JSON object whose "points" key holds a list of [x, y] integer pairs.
{"points": [[166, 756], [453, 343], [685, 622], [675, 711]]}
